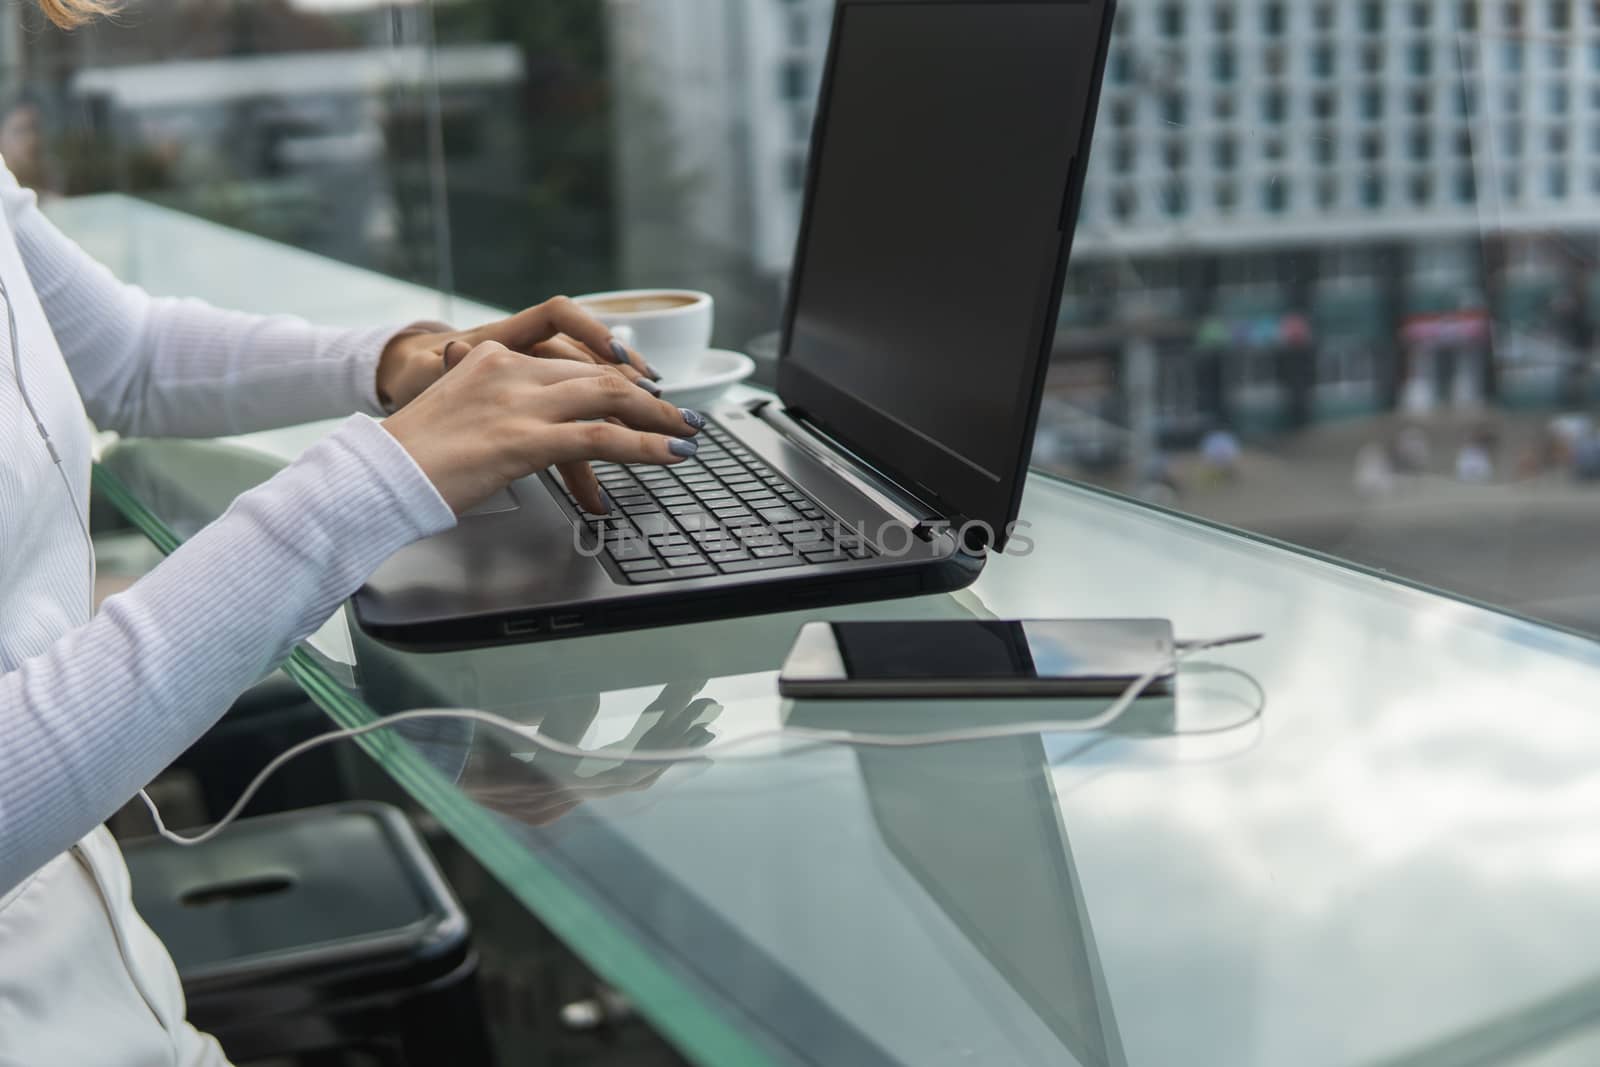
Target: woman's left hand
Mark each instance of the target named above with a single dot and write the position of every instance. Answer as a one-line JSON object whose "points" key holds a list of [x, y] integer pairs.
{"points": [[414, 361]]}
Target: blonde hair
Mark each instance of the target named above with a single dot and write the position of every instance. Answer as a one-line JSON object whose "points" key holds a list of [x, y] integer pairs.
{"points": [[70, 13]]}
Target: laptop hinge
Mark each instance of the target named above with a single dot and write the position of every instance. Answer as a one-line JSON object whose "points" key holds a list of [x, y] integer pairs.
{"points": [[921, 519]]}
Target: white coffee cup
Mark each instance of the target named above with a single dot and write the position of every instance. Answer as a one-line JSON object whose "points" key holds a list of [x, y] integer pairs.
{"points": [[670, 328]]}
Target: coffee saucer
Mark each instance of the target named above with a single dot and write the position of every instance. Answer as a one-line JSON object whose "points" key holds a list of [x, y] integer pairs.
{"points": [[716, 371]]}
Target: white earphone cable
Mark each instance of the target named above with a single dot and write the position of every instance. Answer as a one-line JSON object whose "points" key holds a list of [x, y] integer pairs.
{"points": [[808, 738]]}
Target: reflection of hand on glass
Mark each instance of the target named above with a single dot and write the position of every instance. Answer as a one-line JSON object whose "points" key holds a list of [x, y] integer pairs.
{"points": [[548, 786]]}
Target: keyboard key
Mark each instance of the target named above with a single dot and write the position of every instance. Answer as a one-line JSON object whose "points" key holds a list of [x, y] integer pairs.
{"points": [[635, 566], [655, 525], [769, 551], [776, 515], [728, 557], [682, 562], [668, 552], [831, 554], [630, 549], [805, 536], [651, 577], [748, 565]]}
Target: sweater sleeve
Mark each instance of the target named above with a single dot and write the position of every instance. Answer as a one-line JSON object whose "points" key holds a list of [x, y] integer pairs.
{"points": [[159, 367], [97, 715]]}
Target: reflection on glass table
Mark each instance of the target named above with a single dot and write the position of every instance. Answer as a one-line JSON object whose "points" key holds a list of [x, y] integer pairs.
{"points": [[1389, 864]]}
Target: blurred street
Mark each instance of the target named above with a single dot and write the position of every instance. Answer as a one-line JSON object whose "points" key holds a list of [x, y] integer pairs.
{"points": [[1525, 540]]}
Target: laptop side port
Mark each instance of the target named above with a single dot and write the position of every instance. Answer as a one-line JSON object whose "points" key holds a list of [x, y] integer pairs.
{"points": [[570, 620], [523, 627]]}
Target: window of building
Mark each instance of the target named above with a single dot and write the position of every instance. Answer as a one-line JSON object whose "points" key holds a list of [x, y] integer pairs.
{"points": [[1121, 72], [1372, 103], [1171, 20], [1372, 16], [1324, 16], [1511, 141], [1467, 102], [1559, 98], [1274, 61], [1556, 55], [1466, 186], [1275, 195], [1124, 203], [1273, 18], [1274, 105], [1467, 14], [1325, 105], [1421, 189], [1511, 185], [1594, 55], [1463, 143], [1175, 198], [1511, 15], [1124, 155], [1174, 109], [1223, 64], [1594, 98], [1419, 102], [1176, 154], [796, 81], [1222, 106], [1556, 141], [1420, 56], [1420, 144], [1560, 17], [1594, 181], [1555, 182], [1421, 12], [1372, 58], [1372, 192], [1372, 146], [1322, 60], [1225, 196], [1327, 193], [1225, 153], [1511, 57], [1324, 146], [1272, 148], [1122, 112], [1511, 102], [794, 172]]}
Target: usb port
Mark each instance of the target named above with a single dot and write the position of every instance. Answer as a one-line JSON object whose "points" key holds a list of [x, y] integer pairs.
{"points": [[571, 620], [522, 627]]}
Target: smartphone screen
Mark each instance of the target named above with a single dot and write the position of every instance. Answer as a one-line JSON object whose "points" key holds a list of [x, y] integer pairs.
{"points": [[978, 657]]}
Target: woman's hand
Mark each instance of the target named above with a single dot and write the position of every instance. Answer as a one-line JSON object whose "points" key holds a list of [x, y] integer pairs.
{"points": [[499, 416], [556, 329]]}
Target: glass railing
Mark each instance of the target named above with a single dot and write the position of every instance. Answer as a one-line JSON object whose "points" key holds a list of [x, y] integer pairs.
{"points": [[1334, 281]]}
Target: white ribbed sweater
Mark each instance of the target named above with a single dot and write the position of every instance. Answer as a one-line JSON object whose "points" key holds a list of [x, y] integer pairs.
{"points": [[92, 709]]}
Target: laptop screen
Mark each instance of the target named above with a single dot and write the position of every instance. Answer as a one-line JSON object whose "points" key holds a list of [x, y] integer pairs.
{"points": [[943, 189]]}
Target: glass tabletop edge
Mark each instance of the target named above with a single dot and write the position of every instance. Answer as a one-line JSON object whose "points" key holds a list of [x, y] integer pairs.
{"points": [[697, 1029]]}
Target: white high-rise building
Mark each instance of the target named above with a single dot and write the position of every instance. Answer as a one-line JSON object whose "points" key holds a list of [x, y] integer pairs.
{"points": [[1241, 123]]}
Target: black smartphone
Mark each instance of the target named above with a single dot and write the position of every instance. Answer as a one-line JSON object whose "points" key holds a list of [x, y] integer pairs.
{"points": [[979, 658]]}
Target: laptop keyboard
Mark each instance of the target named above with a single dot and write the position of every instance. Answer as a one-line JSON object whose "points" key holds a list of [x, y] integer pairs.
{"points": [[723, 512]]}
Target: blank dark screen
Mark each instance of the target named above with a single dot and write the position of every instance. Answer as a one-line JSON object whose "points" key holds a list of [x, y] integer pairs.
{"points": [[933, 233]]}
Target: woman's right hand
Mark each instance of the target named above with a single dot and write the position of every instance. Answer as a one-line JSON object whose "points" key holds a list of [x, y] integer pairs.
{"points": [[498, 416]]}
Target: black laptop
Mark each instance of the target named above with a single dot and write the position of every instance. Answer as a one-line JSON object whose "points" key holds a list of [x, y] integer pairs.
{"points": [[947, 163]]}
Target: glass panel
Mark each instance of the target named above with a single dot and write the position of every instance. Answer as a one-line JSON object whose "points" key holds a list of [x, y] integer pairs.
{"points": [[1372, 336], [313, 123]]}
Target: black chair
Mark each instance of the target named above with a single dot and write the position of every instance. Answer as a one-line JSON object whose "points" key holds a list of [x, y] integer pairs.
{"points": [[314, 932]]}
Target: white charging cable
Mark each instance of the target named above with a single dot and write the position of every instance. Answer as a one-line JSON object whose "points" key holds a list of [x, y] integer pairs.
{"points": [[806, 736], [78, 513]]}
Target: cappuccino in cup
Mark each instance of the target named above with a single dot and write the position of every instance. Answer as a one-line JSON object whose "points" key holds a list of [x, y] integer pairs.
{"points": [[670, 328]]}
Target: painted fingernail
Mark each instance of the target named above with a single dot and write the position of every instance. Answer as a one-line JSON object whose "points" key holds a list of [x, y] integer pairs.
{"points": [[648, 386], [683, 447], [606, 502], [648, 369], [619, 353], [695, 420]]}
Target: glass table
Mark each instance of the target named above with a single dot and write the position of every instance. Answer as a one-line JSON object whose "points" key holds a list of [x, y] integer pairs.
{"points": [[1366, 839]]}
